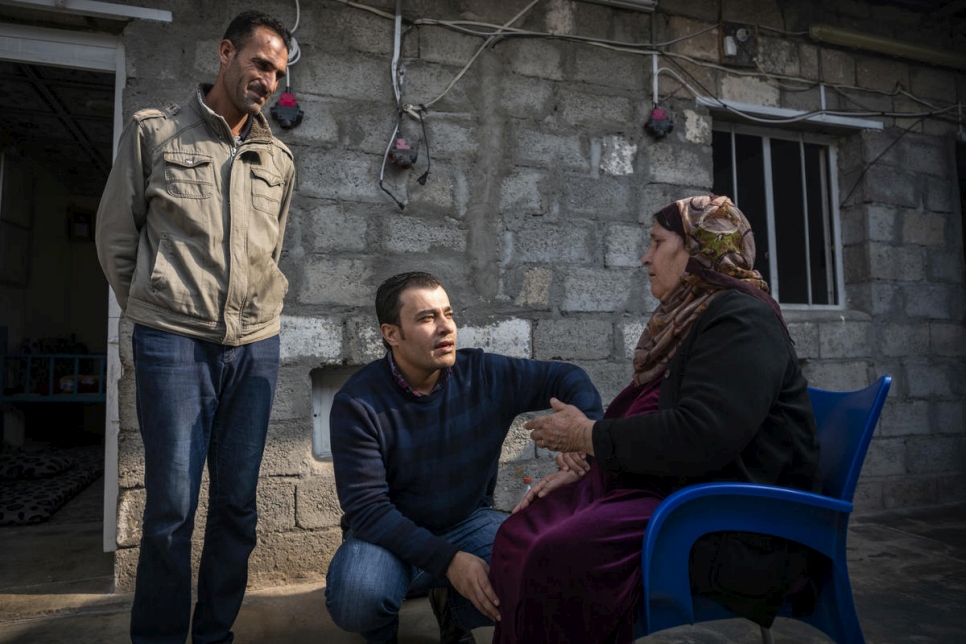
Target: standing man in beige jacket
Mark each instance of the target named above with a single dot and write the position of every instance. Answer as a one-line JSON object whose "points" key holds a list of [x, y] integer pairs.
{"points": [[189, 233]]}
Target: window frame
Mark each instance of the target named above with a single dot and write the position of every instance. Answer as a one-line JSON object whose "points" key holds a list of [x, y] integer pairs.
{"points": [[830, 198]]}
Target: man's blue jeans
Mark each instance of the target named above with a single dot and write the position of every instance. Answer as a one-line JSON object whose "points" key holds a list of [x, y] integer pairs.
{"points": [[195, 401], [366, 584]]}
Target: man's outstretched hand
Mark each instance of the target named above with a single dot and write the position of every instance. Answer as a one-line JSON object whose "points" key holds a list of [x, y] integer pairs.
{"points": [[470, 576]]}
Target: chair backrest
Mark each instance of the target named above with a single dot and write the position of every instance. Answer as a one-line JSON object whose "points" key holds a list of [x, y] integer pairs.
{"points": [[846, 421]]}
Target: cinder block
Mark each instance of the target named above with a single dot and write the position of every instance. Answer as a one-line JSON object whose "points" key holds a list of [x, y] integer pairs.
{"points": [[451, 136], [936, 454], [880, 74], [806, 337], [868, 495], [838, 67], [288, 450], [518, 448], [316, 501], [838, 375], [508, 337], [703, 47], [276, 504], [363, 339], [531, 146], [890, 186], [949, 417], [599, 198], [326, 226], [535, 57], [931, 82], [422, 235], [520, 192], [346, 76], [926, 229], [130, 517], [130, 460], [746, 89], [947, 339], [590, 289], [928, 380], [310, 337], [897, 340], [886, 457], [573, 339], [684, 165], [944, 266], [295, 557], [924, 154], [598, 66], [932, 301], [293, 392], [630, 335], [779, 55], [319, 124], [344, 175], [336, 281], [442, 45], [938, 194], [526, 97], [596, 111], [624, 246], [609, 377], [903, 418], [535, 290], [540, 241], [882, 223], [844, 339], [875, 298], [617, 156]]}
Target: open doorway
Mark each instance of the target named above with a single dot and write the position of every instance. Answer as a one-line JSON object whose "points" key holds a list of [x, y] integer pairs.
{"points": [[57, 133], [55, 154]]}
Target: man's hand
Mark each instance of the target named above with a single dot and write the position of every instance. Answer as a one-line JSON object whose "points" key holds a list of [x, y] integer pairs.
{"points": [[470, 576], [574, 462], [565, 430], [545, 486]]}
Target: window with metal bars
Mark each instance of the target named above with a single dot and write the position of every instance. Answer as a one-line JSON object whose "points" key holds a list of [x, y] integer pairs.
{"points": [[784, 183]]}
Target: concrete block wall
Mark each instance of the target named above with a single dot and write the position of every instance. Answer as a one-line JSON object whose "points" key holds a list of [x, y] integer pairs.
{"points": [[537, 208]]}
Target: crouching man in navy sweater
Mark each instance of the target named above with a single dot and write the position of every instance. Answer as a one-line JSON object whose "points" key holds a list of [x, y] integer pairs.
{"points": [[416, 439]]}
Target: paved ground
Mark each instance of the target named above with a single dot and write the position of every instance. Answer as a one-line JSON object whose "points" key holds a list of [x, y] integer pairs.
{"points": [[908, 571]]}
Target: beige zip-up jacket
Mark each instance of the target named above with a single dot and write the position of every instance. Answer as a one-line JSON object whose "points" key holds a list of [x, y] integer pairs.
{"points": [[190, 226]]}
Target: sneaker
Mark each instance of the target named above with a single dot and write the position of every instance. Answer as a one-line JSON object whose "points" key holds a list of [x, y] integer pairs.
{"points": [[449, 630]]}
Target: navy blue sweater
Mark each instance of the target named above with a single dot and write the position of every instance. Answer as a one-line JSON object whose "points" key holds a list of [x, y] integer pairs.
{"points": [[408, 468]]}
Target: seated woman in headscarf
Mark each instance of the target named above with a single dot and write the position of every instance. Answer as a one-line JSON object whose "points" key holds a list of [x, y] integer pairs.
{"points": [[717, 395]]}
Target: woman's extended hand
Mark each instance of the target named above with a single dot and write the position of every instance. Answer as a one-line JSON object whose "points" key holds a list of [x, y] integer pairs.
{"points": [[573, 461], [565, 430], [545, 486]]}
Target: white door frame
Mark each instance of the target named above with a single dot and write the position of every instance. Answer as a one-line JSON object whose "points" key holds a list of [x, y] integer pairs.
{"points": [[103, 53]]}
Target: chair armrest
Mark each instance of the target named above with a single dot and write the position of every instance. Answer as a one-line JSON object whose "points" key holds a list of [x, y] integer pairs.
{"points": [[814, 520]]}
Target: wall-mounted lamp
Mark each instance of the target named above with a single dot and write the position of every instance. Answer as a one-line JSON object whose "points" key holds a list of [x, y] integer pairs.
{"points": [[888, 46], [639, 5]]}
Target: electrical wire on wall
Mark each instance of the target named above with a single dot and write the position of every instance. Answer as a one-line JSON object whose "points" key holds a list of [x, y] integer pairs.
{"points": [[490, 30]]}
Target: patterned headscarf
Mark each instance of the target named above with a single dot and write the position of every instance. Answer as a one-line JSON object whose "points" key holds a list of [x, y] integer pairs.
{"points": [[721, 245]]}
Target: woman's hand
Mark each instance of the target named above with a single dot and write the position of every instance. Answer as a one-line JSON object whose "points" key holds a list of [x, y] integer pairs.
{"points": [[565, 430], [545, 486], [574, 462]]}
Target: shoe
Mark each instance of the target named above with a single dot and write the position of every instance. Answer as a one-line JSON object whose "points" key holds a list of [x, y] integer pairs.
{"points": [[449, 631]]}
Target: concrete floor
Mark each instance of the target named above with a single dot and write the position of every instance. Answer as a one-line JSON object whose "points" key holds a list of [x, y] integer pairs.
{"points": [[908, 571]]}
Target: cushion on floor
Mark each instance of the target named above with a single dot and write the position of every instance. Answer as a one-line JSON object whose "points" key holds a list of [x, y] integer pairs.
{"points": [[35, 499]]}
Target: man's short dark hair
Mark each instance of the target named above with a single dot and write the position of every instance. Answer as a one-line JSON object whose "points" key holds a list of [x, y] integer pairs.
{"points": [[243, 26], [388, 302]]}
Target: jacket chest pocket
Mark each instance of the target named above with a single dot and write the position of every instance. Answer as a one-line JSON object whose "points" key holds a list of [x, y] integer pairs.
{"points": [[267, 188], [188, 175]]}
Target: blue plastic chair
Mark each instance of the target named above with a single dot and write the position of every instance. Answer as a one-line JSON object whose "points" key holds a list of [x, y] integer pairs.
{"points": [[846, 421]]}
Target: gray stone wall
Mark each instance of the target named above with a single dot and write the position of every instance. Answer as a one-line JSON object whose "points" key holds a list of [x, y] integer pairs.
{"points": [[537, 209]]}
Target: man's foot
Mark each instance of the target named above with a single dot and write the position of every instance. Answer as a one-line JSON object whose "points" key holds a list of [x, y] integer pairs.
{"points": [[449, 631]]}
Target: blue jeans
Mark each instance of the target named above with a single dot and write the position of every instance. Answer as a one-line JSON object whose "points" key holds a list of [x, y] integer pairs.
{"points": [[366, 584], [195, 401]]}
